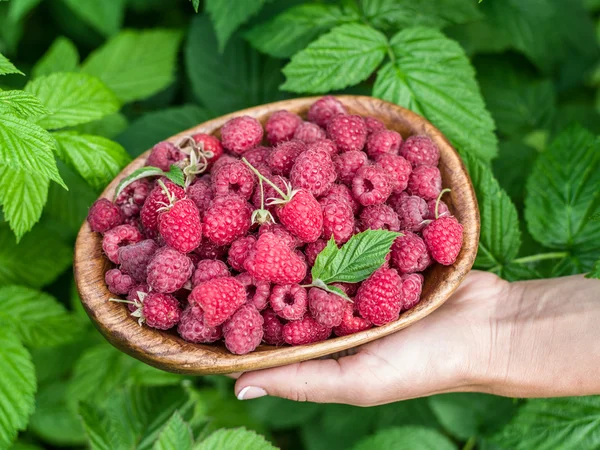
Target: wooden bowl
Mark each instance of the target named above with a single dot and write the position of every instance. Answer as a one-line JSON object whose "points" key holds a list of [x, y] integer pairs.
{"points": [[167, 351]]}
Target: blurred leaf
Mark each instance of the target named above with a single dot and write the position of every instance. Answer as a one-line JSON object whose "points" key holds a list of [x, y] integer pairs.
{"points": [[514, 271], [136, 64], [21, 445], [582, 112], [290, 414], [105, 16], [21, 104], [196, 4], [18, 9], [109, 126], [238, 438], [407, 412], [72, 98], [479, 37], [176, 435], [406, 438], [97, 427], [226, 19], [7, 67], [595, 272], [62, 56], [512, 167]]}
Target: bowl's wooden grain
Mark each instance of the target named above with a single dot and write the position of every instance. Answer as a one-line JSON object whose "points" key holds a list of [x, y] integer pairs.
{"points": [[169, 352]]}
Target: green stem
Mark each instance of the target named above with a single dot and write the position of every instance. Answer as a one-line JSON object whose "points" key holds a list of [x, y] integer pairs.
{"points": [[439, 199], [470, 444], [541, 257], [262, 177]]}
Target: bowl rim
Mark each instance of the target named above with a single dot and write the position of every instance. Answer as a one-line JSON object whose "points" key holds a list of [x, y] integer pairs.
{"points": [[169, 352]]}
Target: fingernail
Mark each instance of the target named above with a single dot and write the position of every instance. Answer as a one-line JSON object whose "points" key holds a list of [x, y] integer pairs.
{"points": [[250, 392]]}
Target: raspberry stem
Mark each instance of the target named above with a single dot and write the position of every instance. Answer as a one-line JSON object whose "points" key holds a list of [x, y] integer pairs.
{"points": [[437, 202], [540, 257], [261, 177]]}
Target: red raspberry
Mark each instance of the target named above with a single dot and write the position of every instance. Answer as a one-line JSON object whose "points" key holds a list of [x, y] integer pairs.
{"points": [[338, 219], [136, 295], [302, 216], [104, 215], [409, 254], [324, 144], [313, 171], [201, 194], [443, 238], [161, 311], [269, 192], [324, 109], [192, 327], [238, 252], [279, 230], [379, 217], [344, 192], [272, 328], [425, 181], [272, 260], [398, 169], [163, 155], [244, 331], [371, 185], [349, 288], [442, 210], [412, 284], [209, 143], [219, 298], [208, 250], [373, 124], [131, 199], [257, 292], [157, 200], [241, 134], [351, 322], [226, 219], [348, 132], [207, 269], [379, 299], [169, 270], [281, 126], [118, 282], [412, 211], [117, 237], [348, 163], [258, 156], [304, 331], [383, 142], [420, 150], [309, 132], [326, 308], [180, 226], [222, 162], [289, 301], [282, 158], [134, 258], [235, 178]]}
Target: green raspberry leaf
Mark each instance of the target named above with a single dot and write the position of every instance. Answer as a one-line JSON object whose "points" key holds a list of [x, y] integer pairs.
{"points": [[406, 438], [226, 19], [176, 435], [345, 56], [21, 104], [175, 174], [234, 438], [138, 174], [105, 17], [196, 4], [595, 272], [358, 258], [62, 56], [18, 9], [7, 67]]}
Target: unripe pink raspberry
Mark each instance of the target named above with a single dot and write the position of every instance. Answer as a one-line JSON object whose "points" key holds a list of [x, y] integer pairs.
{"points": [[348, 132], [379, 217], [240, 134], [371, 185], [272, 328], [289, 301], [169, 270], [348, 163], [163, 155], [324, 109], [425, 181], [118, 283], [309, 132], [420, 150], [326, 308], [244, 331], [192, 327], [397, 168], [104, 215], [281, 126], [207, 269], [409, 253], [117, 237], [383, 142], [257, 292], [239, 250], [412, 284]]}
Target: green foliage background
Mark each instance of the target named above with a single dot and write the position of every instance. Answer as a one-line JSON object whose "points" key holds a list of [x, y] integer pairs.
{"points": [[87, 85]]}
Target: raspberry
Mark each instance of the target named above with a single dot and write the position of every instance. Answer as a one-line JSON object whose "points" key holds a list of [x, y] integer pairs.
{"points": [[169, 270], [207, 269], [241, 134], [134, 258], [351, 322], [219, 298], [282, 158], [304, 331], [348, 163], [371, 185], [192, 327], [257, 292], [379, 217], [238, 252], [180, 226], [442, 210], [208, 250], [398, 169], [272, 328], [412, 284], [412, 211], [383, 142], [309, 132], [326, 308], [104, 215], [348, 132], [117, 237], [222, 162], [234, 178], [257, 157], [349, 288], [324, 144], [226, 219], [373, 124], [135, 295], [272, 260], [163, 155], [209, 143], [279, 230], [302, 216], [313, 171], [157, 200], [118, 282], [420, 150], [425, 181], [244, 331], [379, 299], [269, 192], [443, 238], [281, 126], [161, 311], [338, 219], [289, 301], [409, 254], [324, 109], [201, 194], [344, 192], [131, 199]]}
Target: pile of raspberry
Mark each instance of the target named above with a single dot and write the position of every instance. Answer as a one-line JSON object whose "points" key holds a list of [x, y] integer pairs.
{"points": [[229, 256]]}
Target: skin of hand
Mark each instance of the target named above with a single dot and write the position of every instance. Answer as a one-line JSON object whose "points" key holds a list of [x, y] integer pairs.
{"points": [[524, 339]]}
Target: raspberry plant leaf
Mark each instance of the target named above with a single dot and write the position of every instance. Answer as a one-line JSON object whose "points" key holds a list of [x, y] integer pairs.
{"points": [[196, 4], [595, 272], [104, 17], [406, 438], [234, 438], [226, 19], [176, 435], [175, 174], [21, 104], [62, 56], [18, 9], [6, 67], [138, 174], [109, 126]]}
